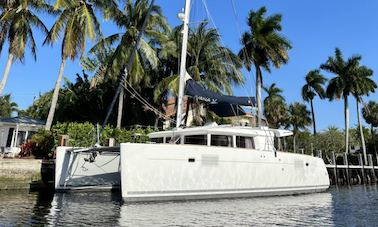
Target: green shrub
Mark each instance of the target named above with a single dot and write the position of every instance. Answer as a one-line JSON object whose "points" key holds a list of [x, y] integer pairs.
{"points": [[44, 143], [85, 134]]}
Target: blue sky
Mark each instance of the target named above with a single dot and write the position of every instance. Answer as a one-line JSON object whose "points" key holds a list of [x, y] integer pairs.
{"points": [[315, 28]]}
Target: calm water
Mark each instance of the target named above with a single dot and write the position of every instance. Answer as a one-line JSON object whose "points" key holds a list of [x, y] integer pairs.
{"points": [[355, 206]]}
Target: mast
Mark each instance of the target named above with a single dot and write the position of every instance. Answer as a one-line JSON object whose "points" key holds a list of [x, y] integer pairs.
{"points": [[185, 32]]}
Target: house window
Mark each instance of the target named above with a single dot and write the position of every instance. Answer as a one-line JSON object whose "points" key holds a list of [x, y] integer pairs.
{"points": [[196, 139], [10, 136], [245, 142], [221, 140], [156, 140]]}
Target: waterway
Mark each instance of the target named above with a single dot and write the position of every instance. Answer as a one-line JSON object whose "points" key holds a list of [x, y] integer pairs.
{"points": [[354, 206]]}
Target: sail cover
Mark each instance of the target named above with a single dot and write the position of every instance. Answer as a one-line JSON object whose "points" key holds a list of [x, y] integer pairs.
{"points": [[196, 91]]}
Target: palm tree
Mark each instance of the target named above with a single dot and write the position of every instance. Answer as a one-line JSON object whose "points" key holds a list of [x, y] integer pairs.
{"points": [[208, 62], [370, 114], [7, 107], [97, 63], [314, 86], [299, 118], [130, 21], [4, 6], [363, 85], [263, 47], [17, 22], [275, 108], [342, 85], [77, 21]]}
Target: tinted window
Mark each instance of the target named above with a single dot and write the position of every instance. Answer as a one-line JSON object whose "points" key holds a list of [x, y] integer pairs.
{"points": [[156, 140], [173, 140], [221, 140], [196, 139], [245, 142]]}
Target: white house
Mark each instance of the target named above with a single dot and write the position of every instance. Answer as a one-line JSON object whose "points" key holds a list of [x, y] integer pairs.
{"points": [[16, 131]]}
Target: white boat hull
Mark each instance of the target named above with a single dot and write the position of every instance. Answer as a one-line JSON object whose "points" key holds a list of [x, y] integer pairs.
{"points": [[72, 172], [153, 172]]}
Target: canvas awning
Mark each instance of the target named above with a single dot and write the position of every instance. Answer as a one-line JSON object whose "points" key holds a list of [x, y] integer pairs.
{"points": [[195, 90]]}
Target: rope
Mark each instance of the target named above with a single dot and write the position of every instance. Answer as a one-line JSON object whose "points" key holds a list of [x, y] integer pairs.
{"points": [[128, 87], [221, 40]]}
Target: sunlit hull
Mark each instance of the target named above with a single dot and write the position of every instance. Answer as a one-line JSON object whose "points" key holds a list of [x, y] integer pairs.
{"points": [[155, 172]]}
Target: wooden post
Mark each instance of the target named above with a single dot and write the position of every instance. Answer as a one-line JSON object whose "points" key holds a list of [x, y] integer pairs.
{"points": [[335, 167], [361, 163], [320, 154], [347, 169], [371, 163], [64, 139], [111, 142]]}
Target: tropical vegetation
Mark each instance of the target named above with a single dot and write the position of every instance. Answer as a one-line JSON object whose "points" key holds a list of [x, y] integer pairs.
{"points": [[7, 106], [18, 20], [313, 87], [74, 107], [263, 47], [341, 86]]}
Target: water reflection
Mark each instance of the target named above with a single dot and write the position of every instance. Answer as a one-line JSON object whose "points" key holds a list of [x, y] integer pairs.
{"points": [[87, 208], [340, 207], [288, 210], [355, 206]]}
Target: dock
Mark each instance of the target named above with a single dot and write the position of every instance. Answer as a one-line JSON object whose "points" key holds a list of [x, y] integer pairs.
{"points": [[349, 173]]}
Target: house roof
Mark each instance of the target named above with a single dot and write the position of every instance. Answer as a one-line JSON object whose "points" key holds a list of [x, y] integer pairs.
{"points": [[22, 120]]}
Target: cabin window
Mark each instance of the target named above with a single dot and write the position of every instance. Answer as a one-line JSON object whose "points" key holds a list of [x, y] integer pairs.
{"points": [[221, 140], [245, 142], [156, 140], [174, 140], [196, 139]]}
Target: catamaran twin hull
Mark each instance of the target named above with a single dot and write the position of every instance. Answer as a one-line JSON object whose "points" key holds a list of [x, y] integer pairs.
{"points": [[152, 172], [75, 171]]}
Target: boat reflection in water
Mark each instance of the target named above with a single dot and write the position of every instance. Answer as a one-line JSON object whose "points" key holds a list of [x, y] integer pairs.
{"points": [[77, 209], [311, 209], [343, 207]]}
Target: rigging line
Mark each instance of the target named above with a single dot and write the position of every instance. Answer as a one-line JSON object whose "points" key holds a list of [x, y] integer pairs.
{"points": [[221, 40], [137, 96], [238, 28], [245, 55], [127, 68], [235, 114], [147, 105]]}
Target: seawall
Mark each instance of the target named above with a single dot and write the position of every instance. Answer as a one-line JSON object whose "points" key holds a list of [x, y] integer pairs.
{"points": [[19, 173]]}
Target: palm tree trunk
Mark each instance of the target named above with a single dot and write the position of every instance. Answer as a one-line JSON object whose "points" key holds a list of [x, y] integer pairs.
{"points": [[120, 108], [346, 115], [294, 143], [373, 138], [313, 116], [361, 132], [55, 96], [258, 94], [6, 72]]}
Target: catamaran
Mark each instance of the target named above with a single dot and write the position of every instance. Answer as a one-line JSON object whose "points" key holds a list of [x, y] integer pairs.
{"points": [[211, 161]]}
